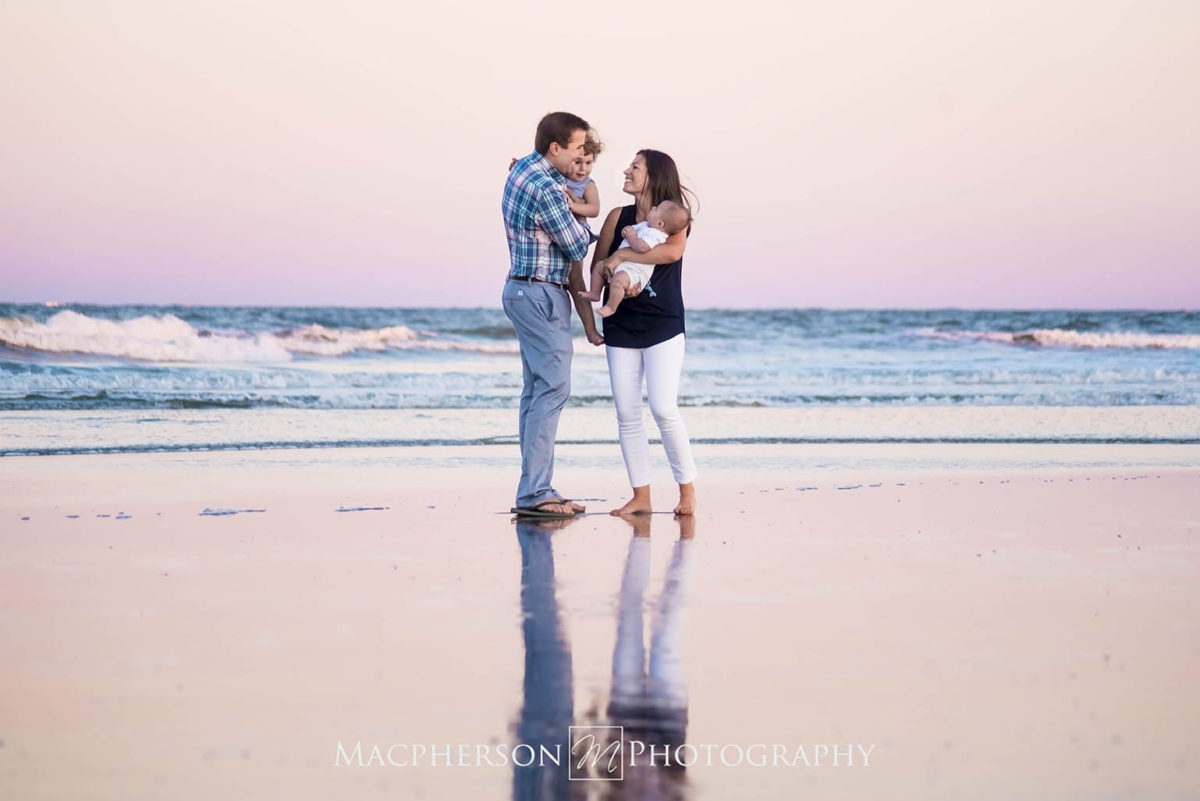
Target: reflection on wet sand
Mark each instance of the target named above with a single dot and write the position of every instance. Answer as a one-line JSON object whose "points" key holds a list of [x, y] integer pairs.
{"points": [[652, 704], [549, 702], [648, 700]]}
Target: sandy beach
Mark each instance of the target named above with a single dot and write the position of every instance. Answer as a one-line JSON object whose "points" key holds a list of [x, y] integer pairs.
{"points": [[980, 633], [285, 287]]}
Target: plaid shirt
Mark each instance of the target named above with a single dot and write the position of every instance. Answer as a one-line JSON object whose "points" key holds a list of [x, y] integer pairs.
{"points": [[543, 235]]}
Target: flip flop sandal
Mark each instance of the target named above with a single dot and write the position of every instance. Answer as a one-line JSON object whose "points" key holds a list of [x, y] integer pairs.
{"points": [[537, 511]]}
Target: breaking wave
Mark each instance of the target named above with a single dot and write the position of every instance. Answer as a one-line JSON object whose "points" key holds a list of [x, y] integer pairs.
{"points": [[167, 338], [1062, 338]]}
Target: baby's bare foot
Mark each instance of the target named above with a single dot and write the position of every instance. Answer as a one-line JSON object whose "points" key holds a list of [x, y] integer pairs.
{"points": [[605, 311]]}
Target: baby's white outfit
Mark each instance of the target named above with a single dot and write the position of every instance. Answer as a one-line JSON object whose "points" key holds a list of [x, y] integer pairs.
{"points": [[639, 274]]}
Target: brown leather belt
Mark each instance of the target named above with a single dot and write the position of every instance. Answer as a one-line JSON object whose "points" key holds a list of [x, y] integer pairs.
{"points": [[532, 280]]}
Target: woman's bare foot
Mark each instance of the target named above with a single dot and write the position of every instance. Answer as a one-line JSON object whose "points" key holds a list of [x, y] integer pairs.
{"points": [[687, 500], [639, 504]]}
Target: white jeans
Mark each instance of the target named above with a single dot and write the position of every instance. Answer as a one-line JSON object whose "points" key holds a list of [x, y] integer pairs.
{"points": [[660, 366]]}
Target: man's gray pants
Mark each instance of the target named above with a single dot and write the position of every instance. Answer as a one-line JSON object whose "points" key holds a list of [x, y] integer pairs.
{"points": [[541, 315]]}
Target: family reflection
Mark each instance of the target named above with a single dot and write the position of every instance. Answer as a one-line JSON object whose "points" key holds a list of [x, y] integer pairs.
{"points": [[655, 701], [549, 696], [647, 697]]}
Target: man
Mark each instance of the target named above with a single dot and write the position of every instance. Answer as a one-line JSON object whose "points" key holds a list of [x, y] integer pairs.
{"points": [[543, 238]]}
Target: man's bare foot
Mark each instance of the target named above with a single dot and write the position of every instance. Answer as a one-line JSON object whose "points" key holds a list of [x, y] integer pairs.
{"points": [[687, 500], [639, 504], [605, 311]]}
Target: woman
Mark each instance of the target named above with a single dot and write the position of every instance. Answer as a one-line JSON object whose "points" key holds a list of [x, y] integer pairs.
{"points": [[644, 337]]}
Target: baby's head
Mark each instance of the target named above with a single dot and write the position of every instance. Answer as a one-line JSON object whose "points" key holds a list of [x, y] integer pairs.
{"points": [[582, 167], [669, 217]]}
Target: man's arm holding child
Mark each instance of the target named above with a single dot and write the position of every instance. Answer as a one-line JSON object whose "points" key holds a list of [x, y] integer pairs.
{"points": [[556, 220]]}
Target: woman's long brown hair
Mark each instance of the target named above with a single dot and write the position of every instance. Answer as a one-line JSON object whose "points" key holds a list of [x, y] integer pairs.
{"points": [[662, 179]]}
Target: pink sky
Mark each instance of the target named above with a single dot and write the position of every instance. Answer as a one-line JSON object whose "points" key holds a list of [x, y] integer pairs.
{"points": [[921, 154]]}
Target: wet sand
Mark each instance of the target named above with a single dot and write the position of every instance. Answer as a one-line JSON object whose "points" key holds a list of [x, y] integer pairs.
{"points": [[987, 633]]}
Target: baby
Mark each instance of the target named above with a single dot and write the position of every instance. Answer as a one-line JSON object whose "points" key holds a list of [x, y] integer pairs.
{"points": [[629, 278]]}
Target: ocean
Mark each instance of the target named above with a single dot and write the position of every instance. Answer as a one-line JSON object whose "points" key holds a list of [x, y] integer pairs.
{"points": [[86, 378]]}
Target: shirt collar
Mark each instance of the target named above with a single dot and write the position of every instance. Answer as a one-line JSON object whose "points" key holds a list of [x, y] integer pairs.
{"points": [[543, 163]]}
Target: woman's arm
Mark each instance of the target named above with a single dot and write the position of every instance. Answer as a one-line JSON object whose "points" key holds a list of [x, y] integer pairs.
{"points": [[667, 252]]}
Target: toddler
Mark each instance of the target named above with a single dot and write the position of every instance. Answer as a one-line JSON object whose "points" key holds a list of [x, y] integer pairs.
{"points": [[582, 196]]}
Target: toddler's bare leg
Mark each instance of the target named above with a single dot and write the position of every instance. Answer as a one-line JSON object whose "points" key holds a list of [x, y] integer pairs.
{"points": [[593, 294], [616, 293]]}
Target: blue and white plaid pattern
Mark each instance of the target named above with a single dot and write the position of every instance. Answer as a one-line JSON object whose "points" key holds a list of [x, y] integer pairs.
{"points": [[543, 235]]}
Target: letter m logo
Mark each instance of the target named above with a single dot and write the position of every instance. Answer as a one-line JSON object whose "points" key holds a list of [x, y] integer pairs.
{"points": [[596, 753]]}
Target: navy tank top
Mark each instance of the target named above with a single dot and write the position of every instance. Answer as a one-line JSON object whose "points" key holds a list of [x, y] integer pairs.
{"points": [[650, 317]]}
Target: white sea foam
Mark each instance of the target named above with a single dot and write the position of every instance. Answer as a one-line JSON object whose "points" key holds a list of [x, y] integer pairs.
{"points": [[155, 339], [1057, 337], [318, 340], [167, 338]]}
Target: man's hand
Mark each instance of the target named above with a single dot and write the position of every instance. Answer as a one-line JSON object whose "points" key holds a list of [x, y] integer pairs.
{"points": [[512, 163], [594, 337]]}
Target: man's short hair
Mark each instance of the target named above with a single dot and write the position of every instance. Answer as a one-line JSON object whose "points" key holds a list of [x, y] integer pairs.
{"points": [[557, 126]]}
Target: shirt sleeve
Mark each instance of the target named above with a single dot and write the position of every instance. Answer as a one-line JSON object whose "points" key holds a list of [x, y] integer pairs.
{"points": [[558, 221], [653, 236]]}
